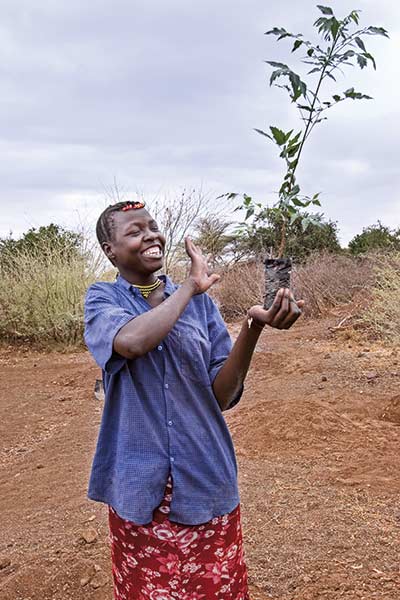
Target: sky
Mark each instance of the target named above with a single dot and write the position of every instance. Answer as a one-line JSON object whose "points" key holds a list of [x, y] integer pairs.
{"points": [[160, 96]]}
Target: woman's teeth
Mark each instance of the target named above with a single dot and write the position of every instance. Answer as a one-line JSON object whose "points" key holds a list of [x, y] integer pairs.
{"points": [[153, 252]]}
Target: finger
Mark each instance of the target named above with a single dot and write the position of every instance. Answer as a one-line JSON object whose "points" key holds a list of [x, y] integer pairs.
{"points": [[194, 247], [188, 247], [276, 305], [300, 303], [283, 311], [292, 317]]}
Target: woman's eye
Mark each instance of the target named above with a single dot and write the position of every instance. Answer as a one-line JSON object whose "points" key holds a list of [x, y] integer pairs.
{"points": [[135, 232]]}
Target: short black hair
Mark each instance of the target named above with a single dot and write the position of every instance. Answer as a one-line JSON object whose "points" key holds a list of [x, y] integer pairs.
{"points": [[105, 223]]}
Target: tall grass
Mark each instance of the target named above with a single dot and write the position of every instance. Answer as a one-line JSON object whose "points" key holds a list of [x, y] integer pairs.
{"points": [[41, 295], [382, 314]]}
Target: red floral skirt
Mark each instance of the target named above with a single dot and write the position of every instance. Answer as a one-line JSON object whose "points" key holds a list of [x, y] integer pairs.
{"points": [[169, 561]]}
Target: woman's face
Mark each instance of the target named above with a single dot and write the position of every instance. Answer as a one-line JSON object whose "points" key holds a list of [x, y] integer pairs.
{"points": [[137, 245]]}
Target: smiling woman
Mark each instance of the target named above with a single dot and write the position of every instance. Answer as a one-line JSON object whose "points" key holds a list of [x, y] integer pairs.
{"points": [[165, 462]]}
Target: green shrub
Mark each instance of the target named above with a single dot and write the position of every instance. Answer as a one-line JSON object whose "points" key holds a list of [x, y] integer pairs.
{"points": [[42, 292], [375, 237]]}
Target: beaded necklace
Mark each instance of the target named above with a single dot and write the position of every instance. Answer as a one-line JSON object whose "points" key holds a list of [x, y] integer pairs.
{"points": [[146, 290]]}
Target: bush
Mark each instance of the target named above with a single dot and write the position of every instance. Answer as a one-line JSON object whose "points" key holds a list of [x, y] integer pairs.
{"points": [[324, 282], [329, 280], [376, 237], [240, 287], [382, 315], [41, 293]]}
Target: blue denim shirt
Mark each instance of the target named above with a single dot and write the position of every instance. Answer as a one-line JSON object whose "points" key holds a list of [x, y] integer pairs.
{"points": [[160, 414]]}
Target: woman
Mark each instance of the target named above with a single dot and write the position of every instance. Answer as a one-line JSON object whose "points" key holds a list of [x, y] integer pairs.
{"points": [[164, 461]]}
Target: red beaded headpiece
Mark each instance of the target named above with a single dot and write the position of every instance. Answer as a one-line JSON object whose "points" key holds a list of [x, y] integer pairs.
{"points": [[133, 205]]}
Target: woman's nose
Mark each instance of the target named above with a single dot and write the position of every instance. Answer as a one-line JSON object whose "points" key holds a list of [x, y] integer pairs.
{"points": [[150, 235]]}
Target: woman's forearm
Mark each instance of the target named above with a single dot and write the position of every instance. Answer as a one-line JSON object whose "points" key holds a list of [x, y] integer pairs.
{"points": [[233, 373], [146, 331]]}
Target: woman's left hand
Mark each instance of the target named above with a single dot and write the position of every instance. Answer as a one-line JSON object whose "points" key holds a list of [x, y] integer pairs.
{"points": [[284, 311]]}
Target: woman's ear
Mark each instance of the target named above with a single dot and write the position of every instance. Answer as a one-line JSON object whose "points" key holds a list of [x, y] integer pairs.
{"points": [[107, 249]]}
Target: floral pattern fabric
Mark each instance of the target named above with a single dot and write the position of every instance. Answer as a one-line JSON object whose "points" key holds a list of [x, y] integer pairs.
{"points": [[170, 561]]}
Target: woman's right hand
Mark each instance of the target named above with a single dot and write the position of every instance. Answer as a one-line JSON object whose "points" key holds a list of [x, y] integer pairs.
{"points": [[198, 274]]}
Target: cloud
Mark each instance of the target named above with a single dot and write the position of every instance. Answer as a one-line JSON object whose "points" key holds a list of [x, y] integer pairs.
{"points": [[162, 95]]}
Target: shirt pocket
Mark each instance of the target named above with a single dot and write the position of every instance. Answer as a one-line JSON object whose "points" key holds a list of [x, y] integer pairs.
{"points": [[195, 354]]}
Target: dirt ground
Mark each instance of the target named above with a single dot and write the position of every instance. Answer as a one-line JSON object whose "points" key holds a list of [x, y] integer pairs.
{"points": [[318, 444]]}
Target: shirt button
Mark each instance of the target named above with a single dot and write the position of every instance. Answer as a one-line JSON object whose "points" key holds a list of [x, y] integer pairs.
{"points": [[166, 386], [159, 348], [170, 423], [172, 459]]}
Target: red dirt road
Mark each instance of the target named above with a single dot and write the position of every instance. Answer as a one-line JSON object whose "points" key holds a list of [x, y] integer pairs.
{"points": [[318, 442]]}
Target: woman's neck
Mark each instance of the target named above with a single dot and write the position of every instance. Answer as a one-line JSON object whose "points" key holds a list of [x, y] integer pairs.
{"points": [[138, 278]]}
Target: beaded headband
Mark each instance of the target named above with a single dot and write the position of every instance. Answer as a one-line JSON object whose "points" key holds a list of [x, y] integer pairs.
{"points": [[135, 205]]}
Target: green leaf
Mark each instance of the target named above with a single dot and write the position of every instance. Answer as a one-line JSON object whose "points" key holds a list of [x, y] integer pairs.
{"points": [[326, 10], [249, 213], [229, 196], [284, 187], [294, 140], [277, 65], [310, 51], [297, 45], [371, 58], [316, 202], [275, 75], [276, 31], [305, 224], [350, 93], [261, 132], [362, 61], [377, 31], [292, 151], [337, 98], [360, 43], [287, 136], [279, 135], [335, 26]]}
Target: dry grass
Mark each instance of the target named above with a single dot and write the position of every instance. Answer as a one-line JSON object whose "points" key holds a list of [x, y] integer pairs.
{"points": [[330, 280], [41, 301], [240, 287], [382, 315], [324, 282]]}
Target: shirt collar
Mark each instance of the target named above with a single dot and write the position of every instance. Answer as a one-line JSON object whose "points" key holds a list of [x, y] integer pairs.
{"points": [[169, 288]]}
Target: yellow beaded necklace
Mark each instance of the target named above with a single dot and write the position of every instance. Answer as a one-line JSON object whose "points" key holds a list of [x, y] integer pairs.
{"points": [[146, 290]]}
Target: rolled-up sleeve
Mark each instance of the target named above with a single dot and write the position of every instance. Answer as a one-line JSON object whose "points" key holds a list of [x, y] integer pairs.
{"points": [[221, 345], [104, 317]]}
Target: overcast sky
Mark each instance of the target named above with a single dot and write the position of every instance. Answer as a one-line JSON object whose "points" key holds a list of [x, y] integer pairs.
{"points": [[162, 95]]}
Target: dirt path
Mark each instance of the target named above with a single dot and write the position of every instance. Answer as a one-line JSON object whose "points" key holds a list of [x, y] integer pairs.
{"points": [[318, 443]]}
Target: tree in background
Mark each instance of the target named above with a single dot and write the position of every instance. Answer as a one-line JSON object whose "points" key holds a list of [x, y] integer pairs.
{"points": [[264, 234], [42, 243], [212, 236], [375, 237]]}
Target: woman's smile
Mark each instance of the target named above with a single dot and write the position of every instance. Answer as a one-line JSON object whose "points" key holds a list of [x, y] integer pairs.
{"points": [[153, 252]]}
